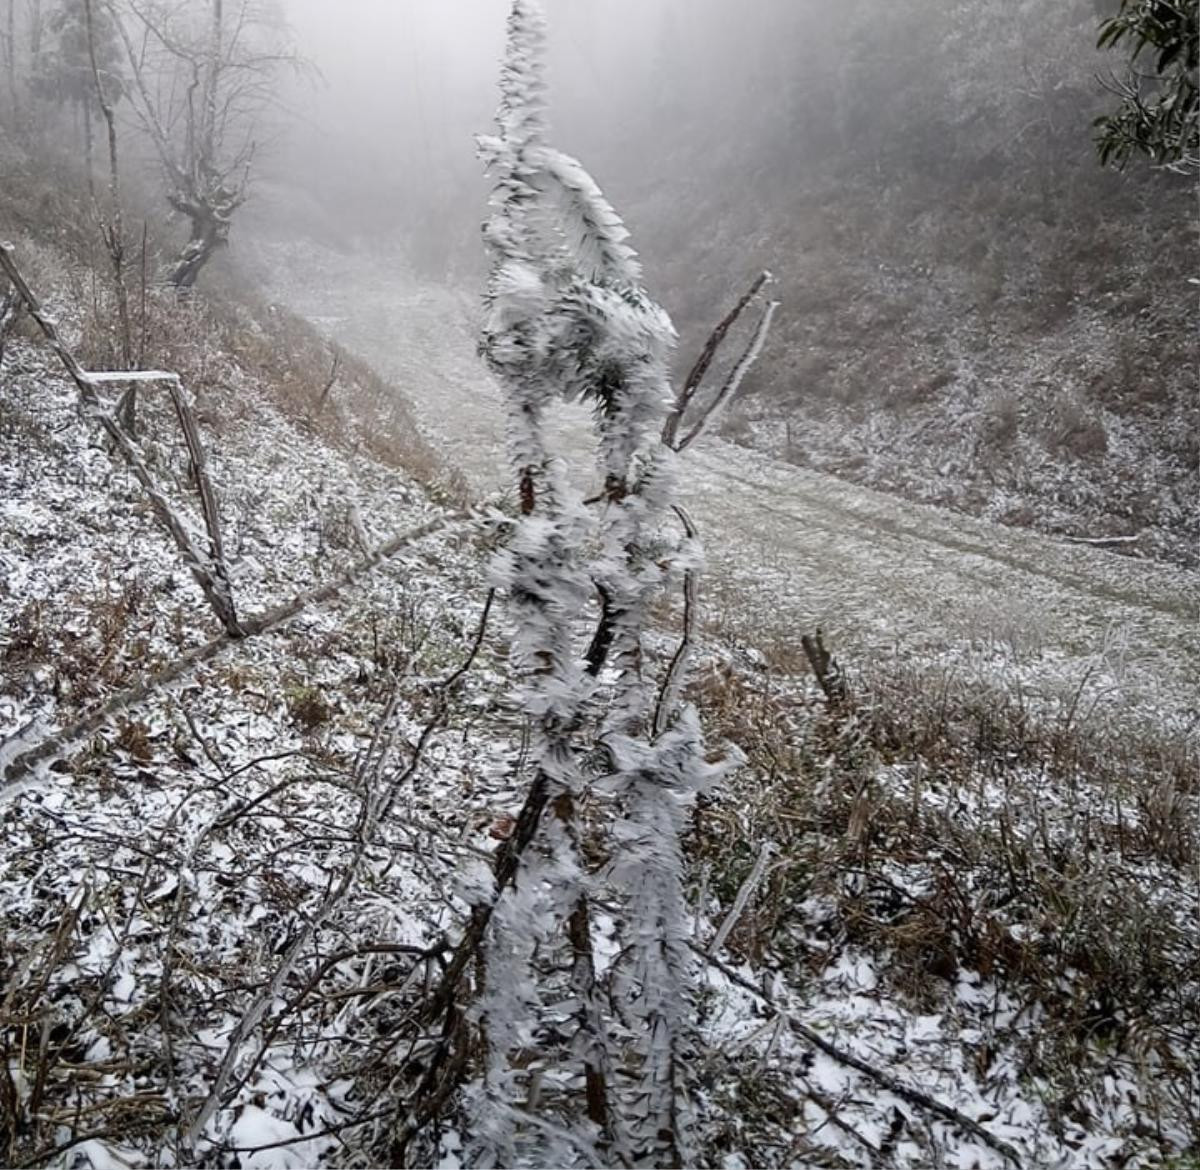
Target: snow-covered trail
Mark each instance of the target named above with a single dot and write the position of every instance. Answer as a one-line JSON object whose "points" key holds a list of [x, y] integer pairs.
{"points": [[790, 550]]}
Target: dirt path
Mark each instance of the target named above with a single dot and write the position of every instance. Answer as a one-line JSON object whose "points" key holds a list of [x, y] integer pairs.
{"points": [[790, 550]]}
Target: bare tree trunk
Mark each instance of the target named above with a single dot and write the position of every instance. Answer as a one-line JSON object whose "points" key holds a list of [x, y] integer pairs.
{"points": [[141, 352], [114, 231], [209, 232], [208, 124], [210, 227], [85, 109]]}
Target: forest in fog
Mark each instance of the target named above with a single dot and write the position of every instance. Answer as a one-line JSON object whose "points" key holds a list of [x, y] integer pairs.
{"points": [[599, 583], [974, 311]]}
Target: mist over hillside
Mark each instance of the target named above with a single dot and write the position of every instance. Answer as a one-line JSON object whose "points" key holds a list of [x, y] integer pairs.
{"points": [[974, 312], [599, 583]]}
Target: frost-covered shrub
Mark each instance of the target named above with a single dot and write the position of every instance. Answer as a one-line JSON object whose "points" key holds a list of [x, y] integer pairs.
{"points": [[567, 320]]}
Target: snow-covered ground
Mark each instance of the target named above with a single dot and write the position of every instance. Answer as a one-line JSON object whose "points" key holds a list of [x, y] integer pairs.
{"points": [[157, 875], [790, 550]]}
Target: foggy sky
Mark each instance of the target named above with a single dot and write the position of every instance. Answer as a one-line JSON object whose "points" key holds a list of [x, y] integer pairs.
{"points": [[388, 132]]}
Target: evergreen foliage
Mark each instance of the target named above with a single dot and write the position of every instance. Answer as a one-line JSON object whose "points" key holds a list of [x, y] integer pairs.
{"points": [[1158, 114]]}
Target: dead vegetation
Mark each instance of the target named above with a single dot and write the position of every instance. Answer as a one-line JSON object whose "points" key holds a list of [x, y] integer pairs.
{"points": [[950, 831]]}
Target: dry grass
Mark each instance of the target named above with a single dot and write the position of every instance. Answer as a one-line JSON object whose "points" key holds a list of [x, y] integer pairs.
{"points": [[104, 645], [950, 830]]}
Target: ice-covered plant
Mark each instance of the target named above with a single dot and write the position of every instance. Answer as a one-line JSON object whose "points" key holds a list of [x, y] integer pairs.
{"points": [[567, 319]]}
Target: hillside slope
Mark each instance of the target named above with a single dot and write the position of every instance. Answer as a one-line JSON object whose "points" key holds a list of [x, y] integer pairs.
{"points": [[790, 550], [220, 907]]}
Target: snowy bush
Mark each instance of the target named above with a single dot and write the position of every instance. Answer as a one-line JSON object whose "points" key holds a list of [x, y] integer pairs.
{"points": [[567, 320]]}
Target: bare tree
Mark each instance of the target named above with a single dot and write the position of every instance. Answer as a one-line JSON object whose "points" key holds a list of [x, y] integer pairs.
{"points": [[204, 89], [112, 226]]}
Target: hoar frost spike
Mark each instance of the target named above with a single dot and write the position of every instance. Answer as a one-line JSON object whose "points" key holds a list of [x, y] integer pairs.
{"points": [[567, 319]]}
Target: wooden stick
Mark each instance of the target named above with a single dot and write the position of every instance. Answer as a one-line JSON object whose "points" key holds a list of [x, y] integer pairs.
{"points": [[329, 382], [905, 1092], [1102, 541], [208, 499], [199, 565]]}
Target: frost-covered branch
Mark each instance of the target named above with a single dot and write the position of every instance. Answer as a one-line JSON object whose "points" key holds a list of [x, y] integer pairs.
{"points": [[567, 319], [595, 236], [733, 383], [868, 1069], [695, 377], [539, 878]]}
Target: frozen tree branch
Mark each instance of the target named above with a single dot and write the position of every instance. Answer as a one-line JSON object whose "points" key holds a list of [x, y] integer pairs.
{"points": [[692, 382], [733, 383]]}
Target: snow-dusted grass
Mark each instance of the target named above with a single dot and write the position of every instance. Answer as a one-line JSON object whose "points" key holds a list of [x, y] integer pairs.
{"points": [[1086, 431], [153, 874], [1001, 912], [962, 887]]}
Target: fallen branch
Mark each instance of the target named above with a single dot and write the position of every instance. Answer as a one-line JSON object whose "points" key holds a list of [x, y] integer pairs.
{"points": [[329, 382], [23, 764], [208, 499], [829, 1108], [913, 1096], [206, 573]]}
